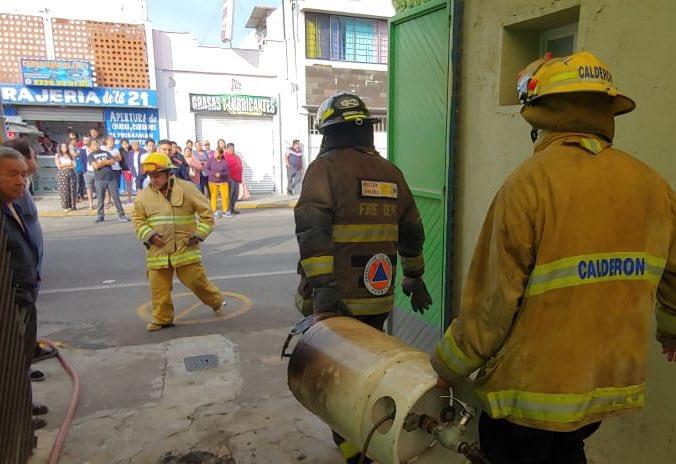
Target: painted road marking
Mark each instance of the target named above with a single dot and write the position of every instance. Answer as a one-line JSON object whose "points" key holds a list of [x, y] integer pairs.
{"points": [[144, 311], [145, 283]]}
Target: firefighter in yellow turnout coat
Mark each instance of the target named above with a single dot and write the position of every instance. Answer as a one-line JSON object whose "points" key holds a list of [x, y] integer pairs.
{"points": [[171, 217], [577, 248]]}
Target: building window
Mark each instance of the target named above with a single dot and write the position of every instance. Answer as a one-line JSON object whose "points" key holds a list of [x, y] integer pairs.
{"points": [[379, 126], [560, 41], [524, 42], [344, 38]]}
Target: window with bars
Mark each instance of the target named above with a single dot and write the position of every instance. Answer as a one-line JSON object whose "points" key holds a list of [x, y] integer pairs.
{"points": [[345, 38], [379, 126]]}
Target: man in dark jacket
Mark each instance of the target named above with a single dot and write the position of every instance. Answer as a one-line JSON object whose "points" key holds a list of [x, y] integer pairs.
{"points": [[23, 252]]}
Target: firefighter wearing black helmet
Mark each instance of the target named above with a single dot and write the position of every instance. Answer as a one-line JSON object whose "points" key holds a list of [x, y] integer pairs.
{"points": [[355, 222]]}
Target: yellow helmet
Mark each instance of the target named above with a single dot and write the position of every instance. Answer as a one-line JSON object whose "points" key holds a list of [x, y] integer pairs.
{"points": [[156, 162], [581, 72]]}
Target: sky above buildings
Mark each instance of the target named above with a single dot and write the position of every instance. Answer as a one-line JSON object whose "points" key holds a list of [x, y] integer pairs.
{"points": [[202, 18]]}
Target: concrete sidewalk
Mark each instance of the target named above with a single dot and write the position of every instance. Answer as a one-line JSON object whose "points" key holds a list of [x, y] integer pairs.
{"points": [[49, 205], [141, 405]]}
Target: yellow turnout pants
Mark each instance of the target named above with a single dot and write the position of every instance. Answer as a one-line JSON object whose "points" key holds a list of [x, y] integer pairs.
{"points": [[192, 276], [224, 189]]}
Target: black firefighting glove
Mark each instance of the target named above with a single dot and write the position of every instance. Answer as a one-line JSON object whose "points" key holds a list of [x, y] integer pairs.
{"points": [[417, 290], [327, 300], [194, 240]]}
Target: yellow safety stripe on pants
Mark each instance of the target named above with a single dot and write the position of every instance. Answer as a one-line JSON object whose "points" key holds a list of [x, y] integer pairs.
{"points": [[204, 229], [369, 306], [592, 145], [187, 257], [595, 268], [183, 219], [348, 450], [666, 321], [365, 233], [412, 265], [157, 262], [144, 232], [454, 358], [163, 261], [563, 408], [317, 265]]}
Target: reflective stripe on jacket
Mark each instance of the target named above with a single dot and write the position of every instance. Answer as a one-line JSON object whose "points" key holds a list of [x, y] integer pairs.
{"points": [[577, 246], [185, 214], [355, 207]]}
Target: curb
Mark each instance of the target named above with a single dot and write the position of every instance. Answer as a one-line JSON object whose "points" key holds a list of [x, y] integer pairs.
{"points": [[127, 209]]}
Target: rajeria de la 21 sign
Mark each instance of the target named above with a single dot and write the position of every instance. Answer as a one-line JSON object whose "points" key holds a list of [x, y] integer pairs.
{"points": [[234, 104], [14, 94]]}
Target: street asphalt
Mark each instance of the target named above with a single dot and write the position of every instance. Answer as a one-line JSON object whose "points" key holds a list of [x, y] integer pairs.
{"points": [[94, 280]]}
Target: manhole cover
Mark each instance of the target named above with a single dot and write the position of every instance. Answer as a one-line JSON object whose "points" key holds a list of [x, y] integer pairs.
{"points": [[200, 363], [195, 457]]}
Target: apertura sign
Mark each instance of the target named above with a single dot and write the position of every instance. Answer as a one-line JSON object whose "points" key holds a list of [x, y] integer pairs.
{"points": [[235, 104]]}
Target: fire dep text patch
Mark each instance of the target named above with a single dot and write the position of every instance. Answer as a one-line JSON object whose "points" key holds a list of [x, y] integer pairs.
{"points": [[377, 189]]}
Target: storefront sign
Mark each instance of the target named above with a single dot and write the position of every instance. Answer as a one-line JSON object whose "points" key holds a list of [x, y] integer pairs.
{"points": [[234, 104], [52, 73], [14, 94], [132, 124]]}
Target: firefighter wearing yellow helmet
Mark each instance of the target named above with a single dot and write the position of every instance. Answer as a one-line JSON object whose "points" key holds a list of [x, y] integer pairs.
{"points": [[577, 251], [171, 218]]}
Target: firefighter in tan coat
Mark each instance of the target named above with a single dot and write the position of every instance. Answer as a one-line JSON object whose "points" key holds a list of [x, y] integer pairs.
{"points": [[577, 249], [355, 220], [171, 218]]}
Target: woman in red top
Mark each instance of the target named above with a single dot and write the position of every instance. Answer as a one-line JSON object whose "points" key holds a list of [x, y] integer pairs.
{"points": [[235, 170]]}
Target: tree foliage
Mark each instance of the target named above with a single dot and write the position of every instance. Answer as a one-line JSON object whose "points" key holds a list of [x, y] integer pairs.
{"points": [[401, 5]]}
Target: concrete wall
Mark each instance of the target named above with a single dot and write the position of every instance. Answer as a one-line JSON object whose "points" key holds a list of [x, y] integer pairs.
{"points": [[635, 39]]}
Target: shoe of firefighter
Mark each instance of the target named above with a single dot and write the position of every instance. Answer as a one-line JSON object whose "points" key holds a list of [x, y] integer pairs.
{"points": [[153, 327], [220, 306]]}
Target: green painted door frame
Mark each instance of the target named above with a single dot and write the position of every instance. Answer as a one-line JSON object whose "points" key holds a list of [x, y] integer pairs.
{"points": [[419, 130]]}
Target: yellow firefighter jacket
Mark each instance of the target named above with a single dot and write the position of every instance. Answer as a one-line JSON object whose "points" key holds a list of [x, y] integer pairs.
{"points": [[354, 215], [183, 213], [577, 246]]}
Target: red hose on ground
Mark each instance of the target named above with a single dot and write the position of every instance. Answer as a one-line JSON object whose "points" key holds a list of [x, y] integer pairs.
{"points": [[74, 399]]}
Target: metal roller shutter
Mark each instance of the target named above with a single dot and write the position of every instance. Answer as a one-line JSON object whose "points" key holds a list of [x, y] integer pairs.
{"points": [[46, 113], [254, 142]]}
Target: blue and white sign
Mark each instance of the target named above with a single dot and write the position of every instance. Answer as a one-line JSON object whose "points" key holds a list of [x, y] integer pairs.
{"points": [[15, 94], [57, 73], [132, 124]]}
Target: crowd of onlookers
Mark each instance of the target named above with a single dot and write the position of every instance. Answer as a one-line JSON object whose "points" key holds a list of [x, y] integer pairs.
{"points": [[95, 167]]}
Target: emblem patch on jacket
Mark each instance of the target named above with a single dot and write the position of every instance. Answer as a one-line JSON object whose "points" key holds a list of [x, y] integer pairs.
{"points": [[377, 189], [378, 275]]}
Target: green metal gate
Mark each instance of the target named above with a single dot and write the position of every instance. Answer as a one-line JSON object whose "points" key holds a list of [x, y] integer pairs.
{"points": [[418, 143]]}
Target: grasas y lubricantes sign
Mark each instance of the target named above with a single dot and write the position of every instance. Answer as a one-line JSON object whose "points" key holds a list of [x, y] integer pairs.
{"points": [[14, 94], [247, 105]]}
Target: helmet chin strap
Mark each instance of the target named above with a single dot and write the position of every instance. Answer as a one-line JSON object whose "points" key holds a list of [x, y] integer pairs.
{"points": [[533, 134]]}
